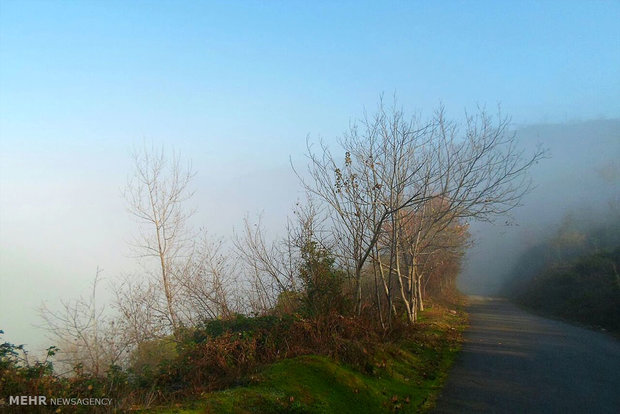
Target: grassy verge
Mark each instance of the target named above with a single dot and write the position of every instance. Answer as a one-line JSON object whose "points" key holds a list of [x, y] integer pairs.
{"points": [[406, 376]]}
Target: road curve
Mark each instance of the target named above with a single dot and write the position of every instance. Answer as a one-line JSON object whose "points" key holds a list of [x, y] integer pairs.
{"points": [[516, 362]]}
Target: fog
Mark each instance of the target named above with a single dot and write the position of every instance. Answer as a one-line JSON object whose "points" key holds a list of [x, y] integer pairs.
{"points": [[580, 174], [58, 225], [237, 87], [581, 177]]}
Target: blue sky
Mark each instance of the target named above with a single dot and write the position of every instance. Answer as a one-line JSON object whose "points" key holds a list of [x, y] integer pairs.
{"points": [[237, 87], [238, 73]]}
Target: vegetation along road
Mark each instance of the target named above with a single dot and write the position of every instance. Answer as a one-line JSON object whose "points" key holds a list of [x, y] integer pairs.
{"points": [[515, 362]]}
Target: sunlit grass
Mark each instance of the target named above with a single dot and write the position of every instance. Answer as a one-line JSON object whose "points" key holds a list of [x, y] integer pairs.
{"points": [[406, 376]]}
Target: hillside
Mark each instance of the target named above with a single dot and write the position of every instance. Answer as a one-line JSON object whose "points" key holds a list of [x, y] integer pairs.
{"points": [[586, 291]]}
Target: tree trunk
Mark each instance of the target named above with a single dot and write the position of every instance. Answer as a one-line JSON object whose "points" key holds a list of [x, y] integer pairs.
{"points": [[419, 294]]}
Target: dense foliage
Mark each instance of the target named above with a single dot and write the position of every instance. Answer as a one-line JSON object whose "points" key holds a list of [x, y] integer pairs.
{"points": [[586, 291], [574, 274]]}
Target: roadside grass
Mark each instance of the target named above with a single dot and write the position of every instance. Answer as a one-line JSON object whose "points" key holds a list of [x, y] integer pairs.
{"points": [[406, 376]]}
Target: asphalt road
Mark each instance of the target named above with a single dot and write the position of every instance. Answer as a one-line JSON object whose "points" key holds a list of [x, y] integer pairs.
{"points": [[516, 362]]}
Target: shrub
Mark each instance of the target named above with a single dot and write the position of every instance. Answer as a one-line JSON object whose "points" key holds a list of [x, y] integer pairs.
{"points": [[150, 356], [20, 377], [323, 283]]}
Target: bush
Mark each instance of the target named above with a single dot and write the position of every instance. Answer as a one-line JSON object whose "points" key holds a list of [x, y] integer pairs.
{"points": [[20, 377], [150, 354], [323, 283]]}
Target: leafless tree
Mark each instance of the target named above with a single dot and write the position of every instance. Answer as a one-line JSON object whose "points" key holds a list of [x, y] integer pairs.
{"points": [[270, 266], [402, 183], [207, 280], [155, 195], [141, 308], [373, 183], [85, 334]]}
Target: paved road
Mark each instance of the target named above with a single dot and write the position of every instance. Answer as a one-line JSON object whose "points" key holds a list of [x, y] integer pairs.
{"points": [[515, 362]]}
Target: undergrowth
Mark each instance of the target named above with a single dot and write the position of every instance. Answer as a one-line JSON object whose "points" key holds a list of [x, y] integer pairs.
{"points": [[400, 375]]}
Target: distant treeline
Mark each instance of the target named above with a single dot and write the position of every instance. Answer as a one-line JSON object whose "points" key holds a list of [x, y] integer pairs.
{"points": [[573, 274]]}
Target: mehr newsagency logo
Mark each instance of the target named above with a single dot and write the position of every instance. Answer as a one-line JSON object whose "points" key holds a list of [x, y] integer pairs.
{"points": [[41, 400]]}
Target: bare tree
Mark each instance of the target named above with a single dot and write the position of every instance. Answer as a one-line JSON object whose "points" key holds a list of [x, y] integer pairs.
{"points": [[86, 335], [156, 194], [403, 183], [142, 310], [207, 281], [373, 183], [270, 265]]}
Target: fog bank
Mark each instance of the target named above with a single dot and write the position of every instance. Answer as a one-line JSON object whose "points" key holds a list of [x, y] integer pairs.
{"points": [[581, 177]]}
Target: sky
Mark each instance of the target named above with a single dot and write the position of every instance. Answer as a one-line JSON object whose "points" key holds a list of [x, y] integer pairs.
{"points": [[237, 87]]}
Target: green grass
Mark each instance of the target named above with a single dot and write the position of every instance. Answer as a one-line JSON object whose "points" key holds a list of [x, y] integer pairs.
{"points": [[406, 377]]}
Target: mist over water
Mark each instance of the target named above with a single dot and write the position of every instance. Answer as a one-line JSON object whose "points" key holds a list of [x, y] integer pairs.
{"points": [[581, 178]]}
